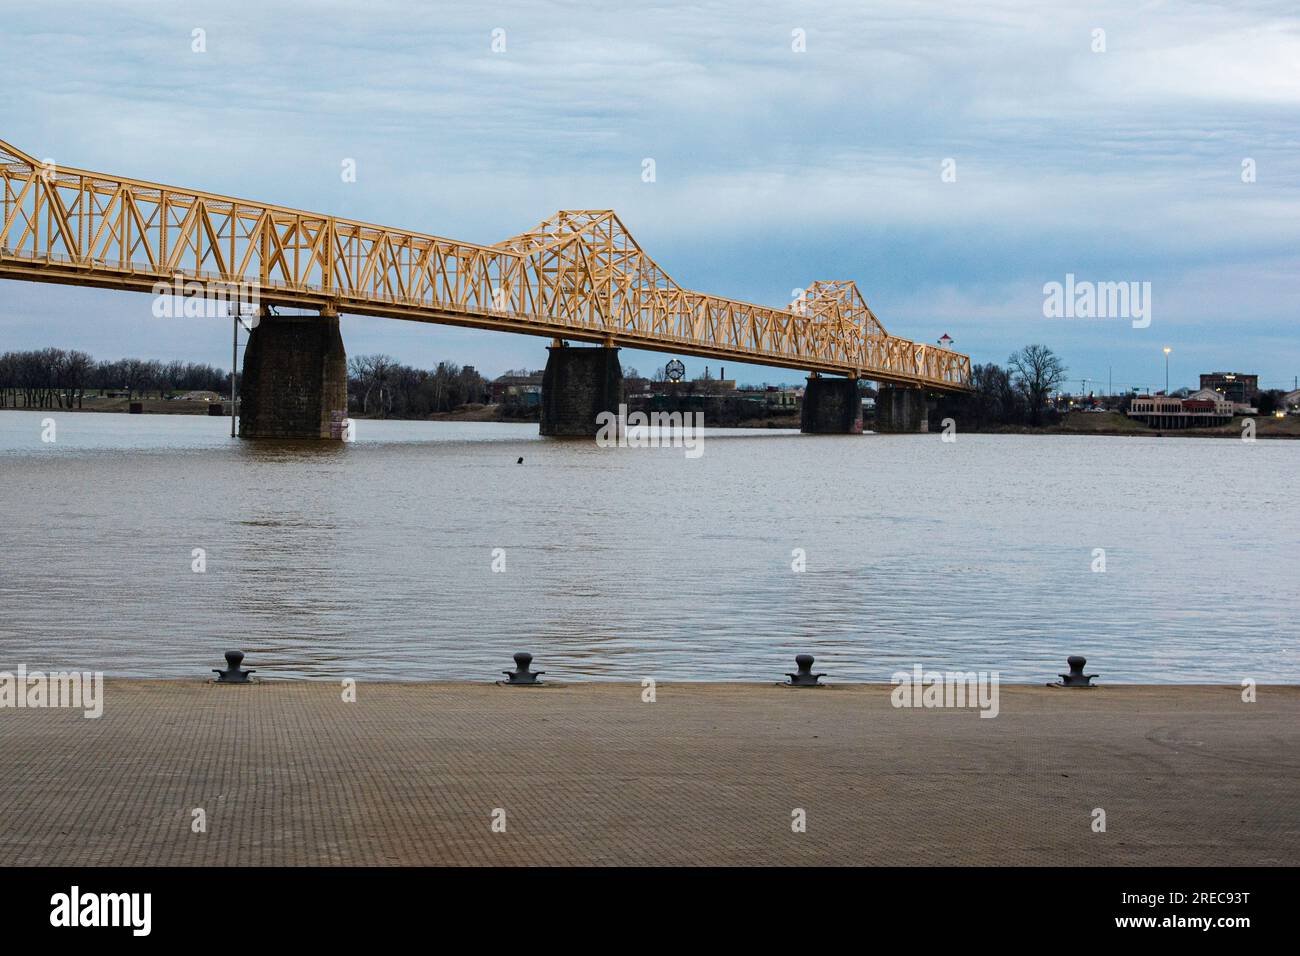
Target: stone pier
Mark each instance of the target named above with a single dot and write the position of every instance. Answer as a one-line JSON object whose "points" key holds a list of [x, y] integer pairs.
{"points": [[579, 384], [902, 410], [295, 379], [831, 406]]}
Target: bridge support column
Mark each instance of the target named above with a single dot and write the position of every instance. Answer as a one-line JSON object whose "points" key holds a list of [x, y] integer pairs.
{"points": [[295, 377], [902, 409], [831, 406], [579, 384]]}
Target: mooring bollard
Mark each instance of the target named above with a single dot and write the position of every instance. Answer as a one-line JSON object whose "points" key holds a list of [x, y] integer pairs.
{"points": [[804, 677], [522, 675], [233, 674], [1076, 677]]}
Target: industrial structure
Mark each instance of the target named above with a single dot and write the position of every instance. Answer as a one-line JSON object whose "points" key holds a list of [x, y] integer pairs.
{"points": [[578, 276]]}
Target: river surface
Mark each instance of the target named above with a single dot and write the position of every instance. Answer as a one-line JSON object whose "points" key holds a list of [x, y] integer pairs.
{"points": [[375, 560]]}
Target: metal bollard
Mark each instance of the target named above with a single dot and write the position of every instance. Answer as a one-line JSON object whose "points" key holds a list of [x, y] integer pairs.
{"points": [[1076, 677], [804, 677], [234, 674], [523, 676]]}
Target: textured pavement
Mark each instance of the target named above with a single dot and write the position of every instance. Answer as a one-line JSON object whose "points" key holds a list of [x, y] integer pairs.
{"points": [[289, 773]]}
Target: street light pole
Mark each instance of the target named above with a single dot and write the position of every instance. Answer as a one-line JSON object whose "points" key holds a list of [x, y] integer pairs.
{"points": [[1167, 351]]}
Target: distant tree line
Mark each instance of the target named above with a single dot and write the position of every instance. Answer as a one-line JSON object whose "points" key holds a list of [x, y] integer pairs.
{"points": [[59, 378], [379, 385], [1017, 394]]}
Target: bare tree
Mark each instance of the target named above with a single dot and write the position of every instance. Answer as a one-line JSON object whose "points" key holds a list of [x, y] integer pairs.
{"points": [[994, 399], [47, 377], [372, 374], [1036, 371], [171, 376], [74, 371], [135, 376]]}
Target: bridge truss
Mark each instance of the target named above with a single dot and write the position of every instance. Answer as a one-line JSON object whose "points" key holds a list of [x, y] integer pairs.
{"points": [[579, 275]]}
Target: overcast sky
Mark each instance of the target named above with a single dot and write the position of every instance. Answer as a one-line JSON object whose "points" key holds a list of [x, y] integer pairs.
{"points": [[773, 167]]}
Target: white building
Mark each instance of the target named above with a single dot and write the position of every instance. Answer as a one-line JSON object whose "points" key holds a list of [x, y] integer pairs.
{"points": [[1216, 396], [1206, 408]]}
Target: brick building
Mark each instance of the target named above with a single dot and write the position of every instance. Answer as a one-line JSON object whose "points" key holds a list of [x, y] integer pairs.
{"points": [[1236, 387]]}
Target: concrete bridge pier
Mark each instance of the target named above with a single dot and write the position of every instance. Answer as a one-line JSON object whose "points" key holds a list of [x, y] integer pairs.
{"points": [[295, 377], [900, 409], [579, 384], [831, 406]]}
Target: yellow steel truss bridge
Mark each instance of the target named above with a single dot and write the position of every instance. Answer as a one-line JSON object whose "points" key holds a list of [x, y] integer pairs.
{"points": [[579, 275]]}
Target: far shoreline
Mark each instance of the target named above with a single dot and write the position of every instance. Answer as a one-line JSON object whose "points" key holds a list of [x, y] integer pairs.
{"points": [[1109, 424]]}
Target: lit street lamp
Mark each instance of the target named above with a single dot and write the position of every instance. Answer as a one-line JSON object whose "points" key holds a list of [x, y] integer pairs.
{"points": [[1167, 351]]}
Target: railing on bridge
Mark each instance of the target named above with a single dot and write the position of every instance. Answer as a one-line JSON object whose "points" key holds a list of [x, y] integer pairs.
{"points": [[577, 275]]}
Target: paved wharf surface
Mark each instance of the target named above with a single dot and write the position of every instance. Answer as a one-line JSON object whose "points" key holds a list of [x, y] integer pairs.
{"points": [[291, 774]]}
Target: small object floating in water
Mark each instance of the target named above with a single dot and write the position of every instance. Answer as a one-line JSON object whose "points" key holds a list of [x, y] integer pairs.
{"points": [[520, 461]]}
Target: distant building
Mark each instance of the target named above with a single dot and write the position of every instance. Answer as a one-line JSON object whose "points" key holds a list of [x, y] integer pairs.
{"points": [[1290, 402], [517, 389], [1236, 387], [199, 396], [1203, 409], [773, 396], [709, 385]]}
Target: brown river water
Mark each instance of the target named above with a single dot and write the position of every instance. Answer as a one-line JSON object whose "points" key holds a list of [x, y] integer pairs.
{"points": [[375, 559]]}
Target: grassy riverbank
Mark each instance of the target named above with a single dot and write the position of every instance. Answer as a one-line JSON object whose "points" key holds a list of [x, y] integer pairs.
{"points": [[152, 406], [1113, 423]]}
